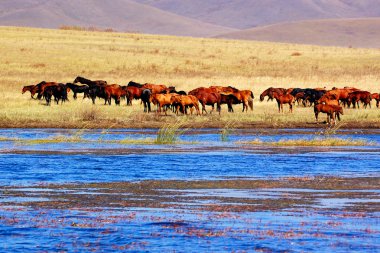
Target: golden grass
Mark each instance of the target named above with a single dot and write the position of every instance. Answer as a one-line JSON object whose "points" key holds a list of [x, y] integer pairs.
{"points": [[315, 142], [30, 55]]}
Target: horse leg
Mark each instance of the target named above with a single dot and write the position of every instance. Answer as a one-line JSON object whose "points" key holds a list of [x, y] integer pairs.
{"points": [[290, 107], [279, 106]]}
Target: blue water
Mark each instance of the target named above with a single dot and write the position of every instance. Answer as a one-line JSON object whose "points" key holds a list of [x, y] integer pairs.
{"points": [[203, 156]]}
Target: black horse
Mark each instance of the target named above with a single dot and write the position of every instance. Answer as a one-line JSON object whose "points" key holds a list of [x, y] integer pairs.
{"points": [[134, 84], [229, 100], [145, 98], [96, 91], [90, 83], [79, 89]]}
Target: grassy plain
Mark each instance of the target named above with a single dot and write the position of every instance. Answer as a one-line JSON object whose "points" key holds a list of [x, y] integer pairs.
{"points": [[30, 55]]}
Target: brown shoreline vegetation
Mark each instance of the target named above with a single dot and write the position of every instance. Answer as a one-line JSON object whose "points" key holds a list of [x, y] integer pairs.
{"points": [[298, 192]]}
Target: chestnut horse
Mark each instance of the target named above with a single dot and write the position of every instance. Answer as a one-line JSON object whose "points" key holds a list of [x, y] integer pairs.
{"points": [[376, 96], [185, 101], [359, 96], [332, 112], [283, 99], [161, 100], [270, 91], [155, 88], [113, 91]]}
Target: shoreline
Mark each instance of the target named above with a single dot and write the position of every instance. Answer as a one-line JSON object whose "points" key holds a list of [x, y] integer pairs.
{"points": [[188, 125]]}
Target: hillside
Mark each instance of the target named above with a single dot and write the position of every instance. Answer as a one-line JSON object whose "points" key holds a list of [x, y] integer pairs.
{"points": [[342, 32], [122, 15], [244, 14]]}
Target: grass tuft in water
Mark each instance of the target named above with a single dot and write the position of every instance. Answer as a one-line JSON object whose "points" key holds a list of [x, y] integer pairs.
{"points": [[316, 142], [226, 132], [169, 133]]}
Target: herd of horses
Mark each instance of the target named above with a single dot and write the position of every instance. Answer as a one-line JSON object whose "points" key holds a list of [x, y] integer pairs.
{"points": [[166, 98]]}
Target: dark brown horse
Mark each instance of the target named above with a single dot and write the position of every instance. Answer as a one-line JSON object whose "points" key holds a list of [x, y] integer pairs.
{"points": [[79, 89], [31, 88], [58, 91], [90, 83]]}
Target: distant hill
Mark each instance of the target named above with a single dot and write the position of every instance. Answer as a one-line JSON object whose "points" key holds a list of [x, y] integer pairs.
{"points": [[337, 32], [244, 14], [122, 15]]}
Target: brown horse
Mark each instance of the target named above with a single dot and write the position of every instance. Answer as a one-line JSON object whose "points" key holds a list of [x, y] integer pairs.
{"points": [[113, 91], [359, 96], [161, 100], [31, 88], [185, 101], [283, 99], [206, 97], [327, 100], [376, 96], [332, 112], [341, 94], [270, 91], [133, 93], [155, 88]]}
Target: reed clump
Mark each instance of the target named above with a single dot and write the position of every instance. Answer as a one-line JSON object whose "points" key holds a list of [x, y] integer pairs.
{"points": [[315, 142], [169, 133]]}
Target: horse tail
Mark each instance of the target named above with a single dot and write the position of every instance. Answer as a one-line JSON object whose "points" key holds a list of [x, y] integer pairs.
{"points": [[250, 104]]}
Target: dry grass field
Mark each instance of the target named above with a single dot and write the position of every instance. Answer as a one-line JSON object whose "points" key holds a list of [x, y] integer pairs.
{"points": [[29, 56]]}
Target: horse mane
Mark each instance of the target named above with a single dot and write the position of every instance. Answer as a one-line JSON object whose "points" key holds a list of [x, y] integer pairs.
{"points": [[233, 88]]}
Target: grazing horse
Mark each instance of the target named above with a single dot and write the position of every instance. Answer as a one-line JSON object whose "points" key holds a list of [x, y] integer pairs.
{"points": [[79, 89], [31, 88], [332, 112], [161, 100], [229, 100], [359, 96], [283, 99], [90, 83], [185, 101], [270, 91], [376, 96]]}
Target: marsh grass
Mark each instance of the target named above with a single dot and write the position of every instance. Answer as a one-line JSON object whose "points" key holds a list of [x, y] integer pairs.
{"points": [[315, 142], [169, 133], [226, 131]]}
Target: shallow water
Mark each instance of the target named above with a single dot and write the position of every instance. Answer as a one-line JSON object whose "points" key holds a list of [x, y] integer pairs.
{"points": [[323, 226]]}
